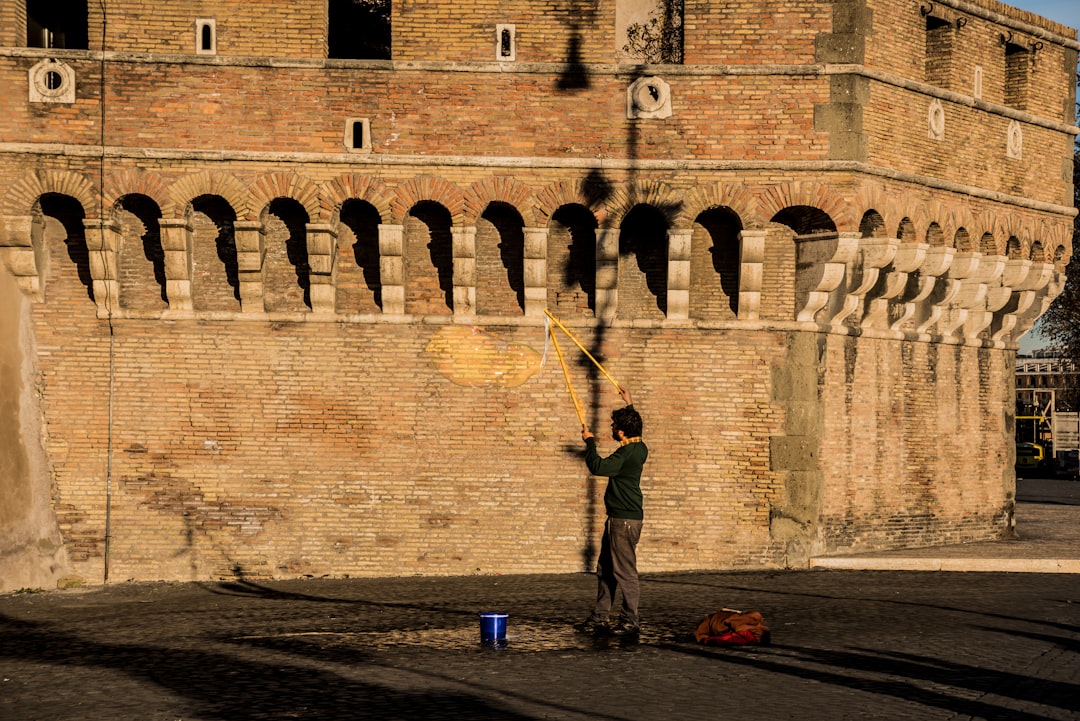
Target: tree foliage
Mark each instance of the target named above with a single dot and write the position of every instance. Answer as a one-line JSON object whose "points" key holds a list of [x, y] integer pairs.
{"points": [[660, 38], [1060, 325]]}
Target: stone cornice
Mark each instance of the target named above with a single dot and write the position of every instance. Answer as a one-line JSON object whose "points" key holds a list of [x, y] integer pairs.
{"points": [[428, 161]]}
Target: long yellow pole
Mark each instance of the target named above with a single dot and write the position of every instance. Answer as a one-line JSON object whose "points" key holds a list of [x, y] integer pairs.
{"points": [[566, 375], [583, 350]]}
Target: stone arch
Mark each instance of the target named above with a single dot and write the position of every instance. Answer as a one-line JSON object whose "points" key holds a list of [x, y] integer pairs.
{"points": [[571, 260], [372, 190], [59, 234], [804, 219], [500, 259], [359, 275], [1061, 257], [963, 241], [1014, 248], [872, 224], [935, 236], [499, 189], [733, 197], [643, 261], [140, 255], [653, 194], [988, 244], [273, 186], [778, 198], [136, 182], [1037, 252], [905, 230], [428, 258], [206, 183], [286, 272], [875, 201], [215, 280], [428, 188], [25, 192], [590, 193], [715, 264]]}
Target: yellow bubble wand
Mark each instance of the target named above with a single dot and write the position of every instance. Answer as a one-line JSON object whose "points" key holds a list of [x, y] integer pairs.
{"points": [[579, 345], [566, 375]]}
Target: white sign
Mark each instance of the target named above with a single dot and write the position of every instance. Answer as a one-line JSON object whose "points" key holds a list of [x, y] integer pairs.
{"points": [[1066, 432]]}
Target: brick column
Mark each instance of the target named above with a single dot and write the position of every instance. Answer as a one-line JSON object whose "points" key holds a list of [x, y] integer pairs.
{"points": [[322, 262], [250, 253], [177, 236], [102, 244], [536, 288], [607, 273], [392, 268], [464, 270]]}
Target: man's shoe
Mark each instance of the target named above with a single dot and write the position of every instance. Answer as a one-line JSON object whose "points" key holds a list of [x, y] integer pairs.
{"points": [[625, 628], [593, 626]]}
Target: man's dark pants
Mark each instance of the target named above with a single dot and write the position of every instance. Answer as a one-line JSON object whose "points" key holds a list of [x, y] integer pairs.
{"points": [[617, 568]]}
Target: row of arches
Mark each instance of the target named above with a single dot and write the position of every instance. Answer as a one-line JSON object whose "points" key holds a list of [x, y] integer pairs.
{"points": [[216, 258]]}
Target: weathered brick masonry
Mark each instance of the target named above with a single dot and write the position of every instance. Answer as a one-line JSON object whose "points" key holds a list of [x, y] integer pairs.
{"points": [[243, 336]]}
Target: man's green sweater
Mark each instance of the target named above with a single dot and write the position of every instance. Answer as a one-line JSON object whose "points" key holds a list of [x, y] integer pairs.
{"points": [[622, 499]]}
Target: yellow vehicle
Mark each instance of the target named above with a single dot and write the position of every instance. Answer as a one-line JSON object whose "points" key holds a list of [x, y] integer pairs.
{"points": [[1029, 457], [1034, 444]]}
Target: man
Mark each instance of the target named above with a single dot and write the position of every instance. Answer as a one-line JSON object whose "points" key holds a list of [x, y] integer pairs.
{"points": [[617, 564]]}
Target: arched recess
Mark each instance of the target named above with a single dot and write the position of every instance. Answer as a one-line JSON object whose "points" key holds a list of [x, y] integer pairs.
{"points": [[988, 244], [963, 242], [141, 258], [643, 263], [872, 225], [428, 259], [1038, 252], [500, 261], [714, 264], [804, 206], [935, 236], [336, 192], [423, 189], [571, 261], [591, 193], [359, 282], [286, 273], [735, 197], [789, 231], [273, 187], [58, 218], [504, 190], [215, 281], [1014, 249], [905, 230], [183, 192]]}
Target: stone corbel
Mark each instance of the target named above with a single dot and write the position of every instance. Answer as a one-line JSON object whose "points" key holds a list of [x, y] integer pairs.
{"points": [[927, 288], [751, 272], [392, 268], [177, 239], [250, 254], [535, 271], [861, 275], [464, 250], [322, 240], [892, 282], [607, 273], [22, 250], [1028, 289], [820, 265], [102, 245], [678, 277], [1044, 296], [995, 296]]}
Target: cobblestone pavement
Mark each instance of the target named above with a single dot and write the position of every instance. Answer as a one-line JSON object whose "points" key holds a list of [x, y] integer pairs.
{"points": [[845, 645]]}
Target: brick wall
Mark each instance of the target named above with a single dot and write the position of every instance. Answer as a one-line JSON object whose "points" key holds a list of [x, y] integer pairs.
{"points": [[271, 416]]}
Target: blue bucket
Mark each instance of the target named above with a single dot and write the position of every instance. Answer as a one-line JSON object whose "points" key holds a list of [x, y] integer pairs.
{"points": [[493, 628]]}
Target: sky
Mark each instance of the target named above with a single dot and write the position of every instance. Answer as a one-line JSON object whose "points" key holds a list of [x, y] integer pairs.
{"points": [[1066, 12]]}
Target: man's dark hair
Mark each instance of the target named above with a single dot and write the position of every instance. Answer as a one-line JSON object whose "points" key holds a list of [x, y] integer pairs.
{"points": [[628, 421]]}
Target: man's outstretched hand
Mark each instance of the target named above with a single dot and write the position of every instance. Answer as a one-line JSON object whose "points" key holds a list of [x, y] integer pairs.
{"points": [[625, 393], [585, 434]]}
